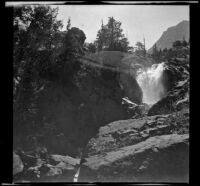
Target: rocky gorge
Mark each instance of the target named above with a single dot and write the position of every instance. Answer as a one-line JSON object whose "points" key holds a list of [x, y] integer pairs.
{"points": [[91, 103], [121, 138]]}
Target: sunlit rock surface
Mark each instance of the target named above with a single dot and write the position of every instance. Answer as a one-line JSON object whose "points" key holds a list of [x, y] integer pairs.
{"points": [[137, 149], [17, 164], [52, 168]]}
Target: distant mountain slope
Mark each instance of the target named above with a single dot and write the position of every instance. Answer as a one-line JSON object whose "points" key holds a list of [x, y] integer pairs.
{"points": [[177, 32]]}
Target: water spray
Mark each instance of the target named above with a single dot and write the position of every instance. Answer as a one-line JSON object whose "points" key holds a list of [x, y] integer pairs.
{"points": [[150, 81]]}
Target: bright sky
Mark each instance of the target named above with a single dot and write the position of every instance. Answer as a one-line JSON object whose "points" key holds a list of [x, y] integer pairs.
{"points": [[137, 20]]}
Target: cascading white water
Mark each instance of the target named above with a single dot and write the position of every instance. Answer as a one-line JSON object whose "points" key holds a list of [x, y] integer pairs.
{"points": [[150, 81]]}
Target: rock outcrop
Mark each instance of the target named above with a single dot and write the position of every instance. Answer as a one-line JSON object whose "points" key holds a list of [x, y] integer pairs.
{"points": [[131, 88], [127, 66], [52, 168], [176, 81], [18, 165], [128, 132], [157, 159], [136, 149], [135, 110], [68, 110]]}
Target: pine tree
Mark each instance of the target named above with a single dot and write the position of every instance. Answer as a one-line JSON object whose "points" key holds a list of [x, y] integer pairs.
{"points": [[155, 53], [110, 37], [34, 30], [140, 49], [68, 24], [144, 50]]}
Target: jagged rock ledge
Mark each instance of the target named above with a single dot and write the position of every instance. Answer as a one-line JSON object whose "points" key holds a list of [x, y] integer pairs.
{"points": [[152, 148], [156, 159]]}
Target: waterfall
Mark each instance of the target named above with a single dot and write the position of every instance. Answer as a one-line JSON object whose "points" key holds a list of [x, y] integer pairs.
{"points": [[150, 81]]}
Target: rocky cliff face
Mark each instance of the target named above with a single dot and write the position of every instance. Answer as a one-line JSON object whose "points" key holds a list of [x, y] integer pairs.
{"points": [[70, 117], [68, 111], [176, 79], [126, 65], [172, 34]]}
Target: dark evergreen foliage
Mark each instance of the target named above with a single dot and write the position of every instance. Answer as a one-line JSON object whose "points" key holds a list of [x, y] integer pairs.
{"points": [[111, 38], [180, 49]]}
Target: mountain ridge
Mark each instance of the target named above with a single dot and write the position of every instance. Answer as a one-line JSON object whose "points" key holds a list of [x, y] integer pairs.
{"points": [[171, 34]]}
